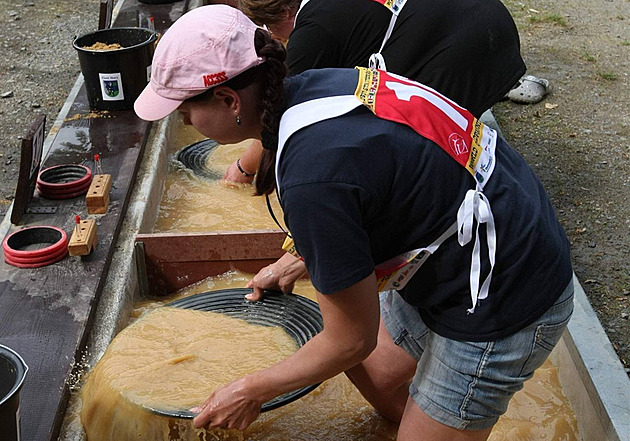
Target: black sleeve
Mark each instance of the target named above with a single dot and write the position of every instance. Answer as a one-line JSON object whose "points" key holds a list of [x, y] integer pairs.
{"points": [[312, 47], [326, 222]]}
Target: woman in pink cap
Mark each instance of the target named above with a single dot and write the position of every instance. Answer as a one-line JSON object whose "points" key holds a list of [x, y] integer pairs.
{"points": [[386, 186]]}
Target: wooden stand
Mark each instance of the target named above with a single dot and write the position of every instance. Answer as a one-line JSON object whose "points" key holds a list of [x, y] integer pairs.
{"points": [[30, 161], [83, 239], [97, 197]]}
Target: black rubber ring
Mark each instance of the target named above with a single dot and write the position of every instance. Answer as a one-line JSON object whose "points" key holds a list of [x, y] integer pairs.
{"points": [[194, 157], [299, 316]]}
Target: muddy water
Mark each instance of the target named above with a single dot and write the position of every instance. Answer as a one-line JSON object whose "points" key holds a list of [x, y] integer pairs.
{"points": [[334, 411], [193, 204]]}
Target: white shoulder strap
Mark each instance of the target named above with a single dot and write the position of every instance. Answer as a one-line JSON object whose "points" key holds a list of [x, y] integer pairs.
{"points": [[304, 2], [308, 113], [376, 60]]}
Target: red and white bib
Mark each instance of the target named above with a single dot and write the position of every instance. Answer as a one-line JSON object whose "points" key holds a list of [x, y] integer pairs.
{"points": [[455, 130]]}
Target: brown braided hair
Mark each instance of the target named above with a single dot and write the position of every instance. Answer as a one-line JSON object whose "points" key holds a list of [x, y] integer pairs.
{"points": [[274, 70]]}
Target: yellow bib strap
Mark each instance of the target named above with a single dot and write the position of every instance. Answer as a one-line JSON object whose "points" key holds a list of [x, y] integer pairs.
{"points": [[289, 247]]}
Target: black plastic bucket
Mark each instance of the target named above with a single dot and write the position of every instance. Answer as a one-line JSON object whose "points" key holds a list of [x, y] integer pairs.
{"points": [[115, 78], [12, 373]]}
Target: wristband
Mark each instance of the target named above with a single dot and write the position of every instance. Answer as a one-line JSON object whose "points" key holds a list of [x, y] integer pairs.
{"points": [[243, 172]]}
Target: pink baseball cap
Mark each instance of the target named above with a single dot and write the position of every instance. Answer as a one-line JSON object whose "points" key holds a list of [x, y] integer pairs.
{"points": [[202, 49]]}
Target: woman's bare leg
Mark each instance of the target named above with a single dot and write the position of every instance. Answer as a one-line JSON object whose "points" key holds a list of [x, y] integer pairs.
{"points": [[383, 378], [418, 426]]}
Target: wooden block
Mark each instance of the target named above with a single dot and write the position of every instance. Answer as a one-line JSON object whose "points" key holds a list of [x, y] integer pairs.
{"points": [[83, 239], [97, 197]]}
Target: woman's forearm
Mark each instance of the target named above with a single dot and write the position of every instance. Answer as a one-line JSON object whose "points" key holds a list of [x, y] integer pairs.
{"points": [[349, 336], [245, 168], [351, 321], [250, 159]]}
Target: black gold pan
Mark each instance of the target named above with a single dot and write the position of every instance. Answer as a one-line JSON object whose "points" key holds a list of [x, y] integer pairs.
{"points": [[195, 156], [298, 316]]}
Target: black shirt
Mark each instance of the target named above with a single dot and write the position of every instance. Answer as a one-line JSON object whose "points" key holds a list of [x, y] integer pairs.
{"points": [[467, 50], [357, 190]]}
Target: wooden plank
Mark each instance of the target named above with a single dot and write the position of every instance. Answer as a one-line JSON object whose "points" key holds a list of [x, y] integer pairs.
{"points": [[174, 261], [231, 245], [105, 14], [166, 277], [30, 158], [46, 313]]}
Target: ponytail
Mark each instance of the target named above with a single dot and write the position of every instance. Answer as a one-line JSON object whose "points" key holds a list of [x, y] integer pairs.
{"points": [[273, 74]]}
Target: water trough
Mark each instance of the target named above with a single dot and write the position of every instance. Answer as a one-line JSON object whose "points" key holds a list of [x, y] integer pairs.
{"points": [[590, 372]]}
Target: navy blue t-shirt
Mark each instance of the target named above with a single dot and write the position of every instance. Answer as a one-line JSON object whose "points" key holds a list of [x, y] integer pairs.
{"points": [[357, 190]]}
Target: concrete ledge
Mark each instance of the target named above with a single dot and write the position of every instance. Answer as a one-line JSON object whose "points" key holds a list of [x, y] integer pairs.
{"points": [[121, 284], [592, 375]]}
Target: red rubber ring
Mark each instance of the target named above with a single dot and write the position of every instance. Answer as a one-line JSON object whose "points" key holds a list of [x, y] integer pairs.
{"points": [[65, 193], [52, 249], [33, 258], [61, 253], [64, 196], [48, 186], [66, 189], [62, 191], [49, 261], [86, 177]]}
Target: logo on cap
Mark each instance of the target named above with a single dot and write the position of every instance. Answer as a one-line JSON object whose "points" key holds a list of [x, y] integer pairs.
{"points": [[215, 78]]}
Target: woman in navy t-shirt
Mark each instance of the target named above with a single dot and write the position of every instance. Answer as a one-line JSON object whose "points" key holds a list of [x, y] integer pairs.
{"points": [[371, 169]]}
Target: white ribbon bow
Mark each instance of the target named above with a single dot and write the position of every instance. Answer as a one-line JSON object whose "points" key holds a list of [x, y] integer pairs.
{"points": [[477, 207]]}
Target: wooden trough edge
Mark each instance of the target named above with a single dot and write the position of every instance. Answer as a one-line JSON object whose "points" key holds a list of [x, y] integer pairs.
{"points": [[169, 261]]}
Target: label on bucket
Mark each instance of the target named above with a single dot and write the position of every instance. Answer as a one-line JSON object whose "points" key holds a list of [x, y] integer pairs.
{"points": [[148, 73], [111, 86]]}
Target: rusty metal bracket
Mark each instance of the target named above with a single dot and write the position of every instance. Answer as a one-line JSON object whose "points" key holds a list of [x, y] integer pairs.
{"points": [[141, 268]]}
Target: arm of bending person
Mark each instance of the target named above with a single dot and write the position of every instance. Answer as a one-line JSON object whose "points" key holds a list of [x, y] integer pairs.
{"points": [[351, 321], [249, 163]]}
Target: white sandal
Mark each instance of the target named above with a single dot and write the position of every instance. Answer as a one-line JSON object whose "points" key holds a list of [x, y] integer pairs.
{"points": [[530, 90]]}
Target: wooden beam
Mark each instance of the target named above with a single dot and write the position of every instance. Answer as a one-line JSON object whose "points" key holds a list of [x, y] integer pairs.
{"points": [[97, 197], [83, 240], [174, 261]]}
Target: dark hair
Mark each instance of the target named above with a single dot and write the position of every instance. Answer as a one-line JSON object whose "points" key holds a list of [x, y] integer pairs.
{"points": [[267, 12], [272, 102]]}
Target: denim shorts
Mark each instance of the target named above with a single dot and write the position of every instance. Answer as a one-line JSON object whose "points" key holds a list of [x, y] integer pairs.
{"points": [[467, 385]]}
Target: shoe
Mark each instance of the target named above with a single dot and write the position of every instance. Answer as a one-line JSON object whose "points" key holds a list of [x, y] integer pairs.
{"points": [[530, 90]]}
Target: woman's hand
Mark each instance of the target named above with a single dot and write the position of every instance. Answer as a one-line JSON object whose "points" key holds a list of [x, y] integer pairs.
{"points": [[280, 275], [249, 161], [233, 174], [231, 407]]}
